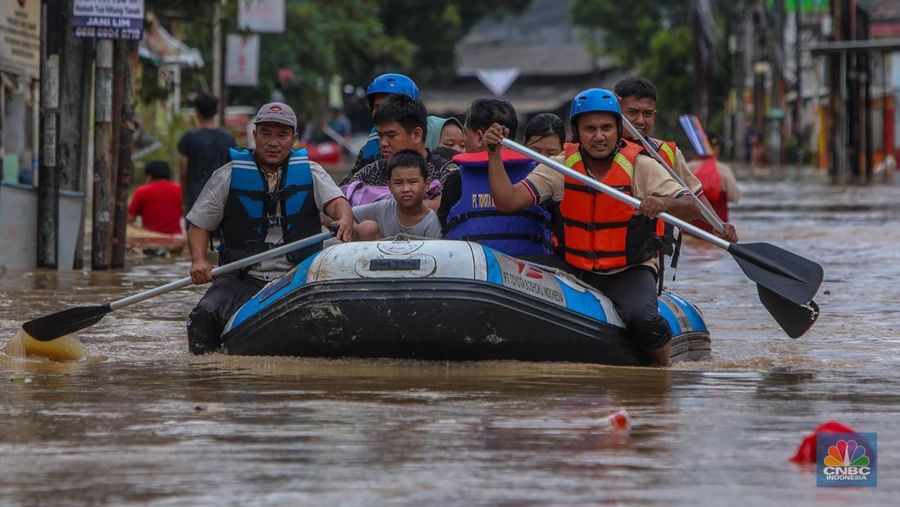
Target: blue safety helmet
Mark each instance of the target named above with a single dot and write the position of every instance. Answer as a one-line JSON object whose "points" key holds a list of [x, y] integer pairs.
{"points": [[392, 83], [595, 100]]}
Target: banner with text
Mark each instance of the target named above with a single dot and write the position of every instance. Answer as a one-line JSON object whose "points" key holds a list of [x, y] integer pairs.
{"points": [[108, 19], [20, 38]]}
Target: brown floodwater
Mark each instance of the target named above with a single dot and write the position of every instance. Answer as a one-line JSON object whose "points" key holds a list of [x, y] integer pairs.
{"points": [[139, 421]]}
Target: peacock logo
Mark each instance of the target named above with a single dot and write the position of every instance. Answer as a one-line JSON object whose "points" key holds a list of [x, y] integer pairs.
{"points": [[846, 453]]}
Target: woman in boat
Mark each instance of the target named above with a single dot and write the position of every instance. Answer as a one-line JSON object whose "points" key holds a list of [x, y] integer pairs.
{"points": [[445, 136], [545, 134]]}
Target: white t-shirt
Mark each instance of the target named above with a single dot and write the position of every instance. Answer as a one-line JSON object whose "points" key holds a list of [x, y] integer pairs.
{"points": [[384, 213]]}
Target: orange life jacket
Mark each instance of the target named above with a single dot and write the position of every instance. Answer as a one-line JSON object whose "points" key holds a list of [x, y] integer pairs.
{"points": [[602, 233], [666, 232], [667, 151]]}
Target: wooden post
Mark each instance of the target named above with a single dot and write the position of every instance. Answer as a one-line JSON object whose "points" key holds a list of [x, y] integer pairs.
{"points": [[48, 184], [118, 90], [124, 52], [87, 94], [217, 60], [74, 103], [100, 238]]}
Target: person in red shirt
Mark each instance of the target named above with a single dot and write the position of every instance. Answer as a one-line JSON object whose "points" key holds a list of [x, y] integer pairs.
{"points": [[158, 202]]}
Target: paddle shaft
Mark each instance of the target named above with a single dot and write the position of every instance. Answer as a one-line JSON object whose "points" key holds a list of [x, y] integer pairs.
{"points": [[708, 214], [606, 189], [234, 266]]}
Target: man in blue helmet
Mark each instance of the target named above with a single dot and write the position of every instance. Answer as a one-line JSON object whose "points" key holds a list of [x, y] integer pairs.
{"points": [[378, 91], [604, 242]]}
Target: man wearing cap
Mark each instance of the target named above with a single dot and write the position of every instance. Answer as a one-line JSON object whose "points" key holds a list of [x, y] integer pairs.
{"points": [[262, 198]]}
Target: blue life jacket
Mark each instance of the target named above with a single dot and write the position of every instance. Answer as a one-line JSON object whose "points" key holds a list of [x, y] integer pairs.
{"points": [[250, 209], [371, 151], [474, 217]]}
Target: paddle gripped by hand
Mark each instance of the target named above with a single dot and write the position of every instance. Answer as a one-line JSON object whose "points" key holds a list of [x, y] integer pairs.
{"points": [[786, 282], [50, 327]]}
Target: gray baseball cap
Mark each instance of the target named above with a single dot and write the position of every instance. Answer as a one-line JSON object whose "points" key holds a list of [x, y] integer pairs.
{"points": [[276, 112]]}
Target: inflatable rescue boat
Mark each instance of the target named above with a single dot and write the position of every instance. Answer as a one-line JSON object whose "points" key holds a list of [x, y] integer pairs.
{"points": [[421, 299]]}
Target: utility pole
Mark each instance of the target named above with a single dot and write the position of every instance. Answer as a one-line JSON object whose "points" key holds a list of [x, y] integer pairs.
{"points": [[217, 60], [798, 83], [123, 57], [100, 239], [48, 184]]}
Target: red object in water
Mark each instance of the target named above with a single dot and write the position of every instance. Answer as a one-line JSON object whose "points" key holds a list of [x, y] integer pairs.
{"points": [[806, 453], [324, 153], [709, 177], [618, 421]]}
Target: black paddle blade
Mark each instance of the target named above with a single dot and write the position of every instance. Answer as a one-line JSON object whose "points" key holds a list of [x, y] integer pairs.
{"points": [[793, 318], [55, 325], [787, 274]]}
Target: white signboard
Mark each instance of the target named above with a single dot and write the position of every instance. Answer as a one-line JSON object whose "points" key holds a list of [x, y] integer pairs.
{"points": [[263, 16], [108, 19], [20, 37], [242, 60], [530, 279], [498, 80]]}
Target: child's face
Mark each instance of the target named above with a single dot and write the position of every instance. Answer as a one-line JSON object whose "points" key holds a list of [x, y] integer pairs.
{"points": [[452, 137], [407, 185]]}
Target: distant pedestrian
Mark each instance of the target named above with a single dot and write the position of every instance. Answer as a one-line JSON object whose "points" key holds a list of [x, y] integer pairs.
{"points": [[203, 149], [158, 202]]}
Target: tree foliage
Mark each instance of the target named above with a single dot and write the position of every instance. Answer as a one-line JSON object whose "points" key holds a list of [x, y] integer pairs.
{"points": [[655, 39], [352, 39]]}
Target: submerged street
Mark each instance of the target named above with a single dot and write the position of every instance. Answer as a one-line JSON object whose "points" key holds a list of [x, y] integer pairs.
{"points": [[141, 421]]}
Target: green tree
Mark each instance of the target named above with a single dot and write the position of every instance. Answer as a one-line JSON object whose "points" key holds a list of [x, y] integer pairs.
{"points": [[664, 66]]}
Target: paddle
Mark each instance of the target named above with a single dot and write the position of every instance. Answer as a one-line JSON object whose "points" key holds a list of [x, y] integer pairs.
{"points": [[711, 217], [786, 281], [68, 321]]}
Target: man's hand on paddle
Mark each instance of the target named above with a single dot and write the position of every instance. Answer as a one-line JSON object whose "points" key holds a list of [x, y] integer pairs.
{"points": [[493, 135], [729, 234], [345, 231], [201, 271], [652, 206]]}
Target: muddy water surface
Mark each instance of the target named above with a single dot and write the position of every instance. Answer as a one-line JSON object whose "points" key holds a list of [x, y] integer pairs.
{"points": [[141, 422]]}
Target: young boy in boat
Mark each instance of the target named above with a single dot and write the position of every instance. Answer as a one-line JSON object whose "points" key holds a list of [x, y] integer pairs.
{"points": [[406, 213], [609, 245], [637, 98], [402, 124], [261, 199]]}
